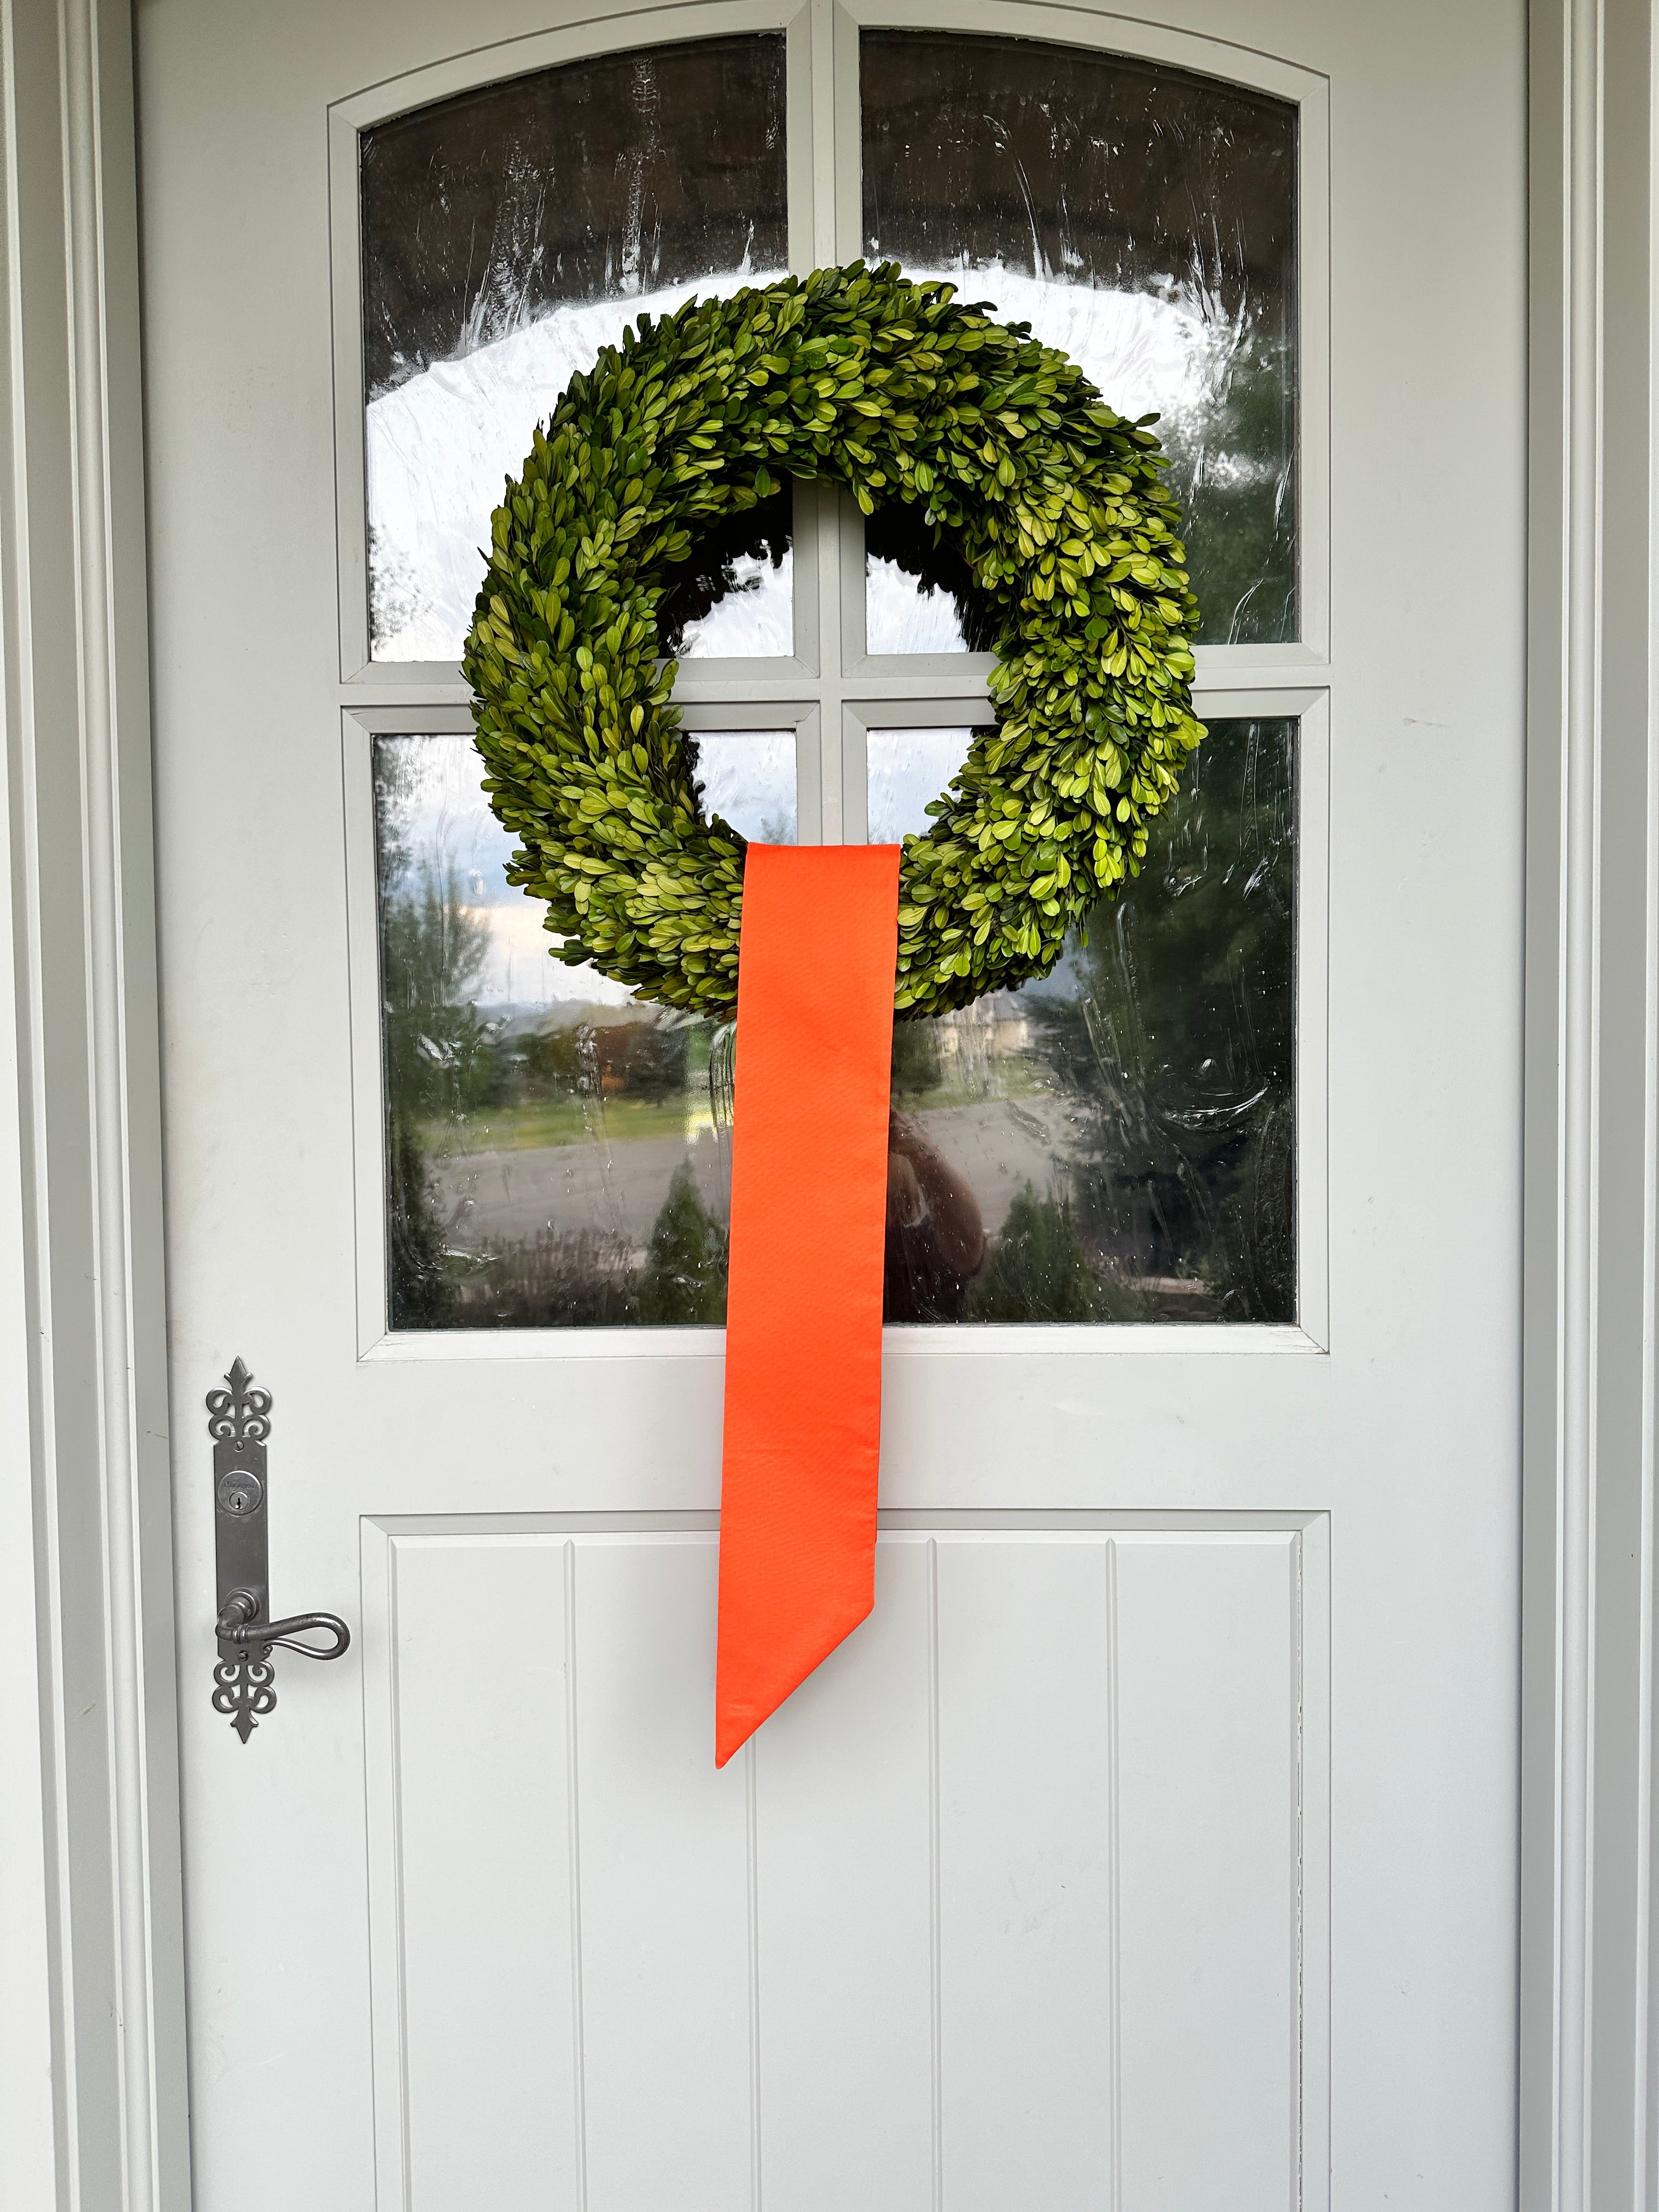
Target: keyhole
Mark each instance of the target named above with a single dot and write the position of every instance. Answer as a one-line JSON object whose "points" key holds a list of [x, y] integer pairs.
{"points": [[240, 1492]]}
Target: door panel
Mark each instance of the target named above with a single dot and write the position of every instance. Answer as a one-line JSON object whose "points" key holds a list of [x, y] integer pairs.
{"points": [[1016, 1872], [1154, 1841]]}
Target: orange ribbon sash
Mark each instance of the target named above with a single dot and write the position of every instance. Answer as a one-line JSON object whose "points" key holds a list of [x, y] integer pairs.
{"points": [[818, 949]]}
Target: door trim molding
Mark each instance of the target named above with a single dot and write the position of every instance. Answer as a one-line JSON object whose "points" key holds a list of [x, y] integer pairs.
{"points": [[1592, 1130], [93, 1909], [90, 1892]]}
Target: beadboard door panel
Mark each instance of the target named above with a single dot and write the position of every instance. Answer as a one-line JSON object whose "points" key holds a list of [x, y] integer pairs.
{"points": [[1056, 1900]]}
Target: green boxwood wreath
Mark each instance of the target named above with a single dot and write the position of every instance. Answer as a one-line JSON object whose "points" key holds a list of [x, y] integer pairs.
{"points": [[861, 376]]}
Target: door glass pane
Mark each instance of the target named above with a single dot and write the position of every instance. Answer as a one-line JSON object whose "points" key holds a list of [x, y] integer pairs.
{"points": [[1114, 1143], [748, 778], [507, 234], [734, 595], [908, 769], [552, 1154], [1142, 220]]}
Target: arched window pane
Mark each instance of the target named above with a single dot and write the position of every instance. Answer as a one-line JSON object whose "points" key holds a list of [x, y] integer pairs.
{"points": [[507, 234], [1142, 218]]}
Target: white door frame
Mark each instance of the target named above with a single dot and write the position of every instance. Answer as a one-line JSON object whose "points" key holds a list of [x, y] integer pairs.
{"points": [[93, 2105], [1592, 1116]]}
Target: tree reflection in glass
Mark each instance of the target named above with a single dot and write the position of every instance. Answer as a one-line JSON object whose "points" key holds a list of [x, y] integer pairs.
{"points": [[1126, 1124]]}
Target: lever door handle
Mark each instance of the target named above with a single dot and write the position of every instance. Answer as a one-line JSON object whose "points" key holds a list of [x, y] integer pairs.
{"points": [[239, 1623], [244, 1675]]}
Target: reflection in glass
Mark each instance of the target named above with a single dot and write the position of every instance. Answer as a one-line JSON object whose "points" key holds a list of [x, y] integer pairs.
{"points": [[1124, 1129], [1114, 1143], [752, 614], [507, 234], [908, 769], [1139, 218], [920, 597], [734, 595], [552, 1155], [748, 778], [903, 614]]}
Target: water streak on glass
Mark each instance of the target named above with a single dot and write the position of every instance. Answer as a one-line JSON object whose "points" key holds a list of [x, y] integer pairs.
{"points": [[507, 234], [1142, 218], [1115, 1142]]}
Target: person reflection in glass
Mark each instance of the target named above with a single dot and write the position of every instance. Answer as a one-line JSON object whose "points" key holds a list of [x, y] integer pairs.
{"points": [[935, 1233]]}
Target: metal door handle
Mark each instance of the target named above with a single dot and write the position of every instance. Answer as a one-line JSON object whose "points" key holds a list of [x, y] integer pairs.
{"points": [[244, 1675], [239, 1623]]}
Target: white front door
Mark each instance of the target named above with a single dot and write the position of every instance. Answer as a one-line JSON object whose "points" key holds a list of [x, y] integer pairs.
{"points": [[1153, 1845]]}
